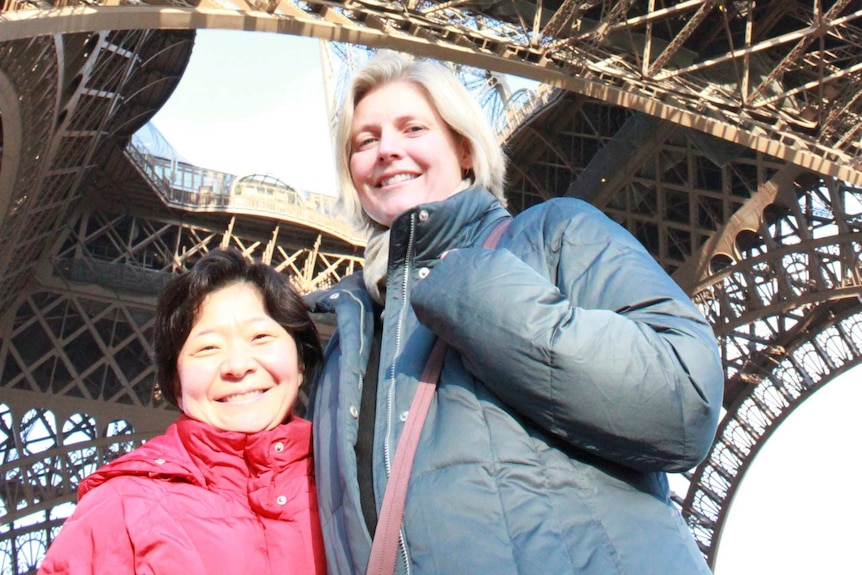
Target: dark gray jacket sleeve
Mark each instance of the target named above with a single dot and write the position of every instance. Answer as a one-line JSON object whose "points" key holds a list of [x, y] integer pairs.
{"points": [[590, 340]]}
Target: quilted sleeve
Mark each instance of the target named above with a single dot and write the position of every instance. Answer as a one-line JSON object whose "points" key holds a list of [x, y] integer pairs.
{"points": [[587, 337], [94, 540]]}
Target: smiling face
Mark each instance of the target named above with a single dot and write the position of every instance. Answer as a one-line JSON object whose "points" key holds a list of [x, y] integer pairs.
{"points": [[238, 369], [402, 154]]}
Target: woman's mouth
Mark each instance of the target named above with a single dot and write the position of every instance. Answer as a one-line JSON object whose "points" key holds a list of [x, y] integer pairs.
{"points": [[396, 179], [239, 397]]}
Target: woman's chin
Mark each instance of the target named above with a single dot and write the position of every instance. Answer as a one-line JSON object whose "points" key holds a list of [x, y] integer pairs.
{"points": [[252, 420]]}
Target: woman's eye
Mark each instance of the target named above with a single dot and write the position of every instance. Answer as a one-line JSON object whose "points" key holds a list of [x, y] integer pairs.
{"points": [[365, 142], [261, 336]]}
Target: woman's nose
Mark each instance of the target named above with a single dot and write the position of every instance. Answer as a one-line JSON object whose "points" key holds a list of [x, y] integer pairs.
{"points": [[389, 145], [238, 363]]}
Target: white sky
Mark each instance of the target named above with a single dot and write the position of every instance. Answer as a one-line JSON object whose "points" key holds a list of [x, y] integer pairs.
{"points": [[798, 507], [255, 103]]}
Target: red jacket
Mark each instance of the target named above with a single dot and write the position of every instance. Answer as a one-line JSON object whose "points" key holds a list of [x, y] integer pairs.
{"points": [[198, 501]]}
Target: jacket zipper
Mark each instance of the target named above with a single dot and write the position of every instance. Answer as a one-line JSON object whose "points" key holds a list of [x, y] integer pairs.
{"points": [[361, 333], [387, 451]]}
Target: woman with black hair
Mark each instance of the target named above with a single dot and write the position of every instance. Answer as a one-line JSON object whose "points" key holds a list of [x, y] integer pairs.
{"points": [[229, 488]]}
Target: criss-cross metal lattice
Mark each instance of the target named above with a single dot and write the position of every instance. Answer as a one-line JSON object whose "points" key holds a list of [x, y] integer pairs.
{"points": [[46, 452], [785, 305], [779, 76], [724, 135]]}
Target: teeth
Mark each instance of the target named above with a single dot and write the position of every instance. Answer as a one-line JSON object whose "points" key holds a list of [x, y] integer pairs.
{"points": [[397, 178], [241, 396]]}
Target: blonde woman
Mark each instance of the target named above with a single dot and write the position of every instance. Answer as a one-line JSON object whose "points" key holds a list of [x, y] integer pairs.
{"points": [[577, 371]]}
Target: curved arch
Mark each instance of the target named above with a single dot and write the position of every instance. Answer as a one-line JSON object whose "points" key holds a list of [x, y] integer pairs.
{"points": [[40, 482], [747, 240], [747, 291], [74, 462], [46, 469], [748, 424]]}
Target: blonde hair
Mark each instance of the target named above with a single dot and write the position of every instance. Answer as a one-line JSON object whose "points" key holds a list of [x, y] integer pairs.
{"points": [[447, 96]]}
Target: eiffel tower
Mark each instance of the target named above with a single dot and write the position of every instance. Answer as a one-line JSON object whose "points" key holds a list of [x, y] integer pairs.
{"points": [[725, 135]]}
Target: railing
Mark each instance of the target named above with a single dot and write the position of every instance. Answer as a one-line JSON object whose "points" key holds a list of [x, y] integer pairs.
{"points": [[182, 185], [112, 275], [521, 105]]}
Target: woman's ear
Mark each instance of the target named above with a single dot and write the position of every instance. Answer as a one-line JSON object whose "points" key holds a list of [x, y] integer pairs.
{"points": [[178, 393], [465, 156]]}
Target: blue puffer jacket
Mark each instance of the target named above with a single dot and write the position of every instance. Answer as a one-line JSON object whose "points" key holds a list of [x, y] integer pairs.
{"points": [[578, 373]]}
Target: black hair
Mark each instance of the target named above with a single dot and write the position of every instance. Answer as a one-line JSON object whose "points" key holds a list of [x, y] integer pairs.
{"points": [[181, 299]]}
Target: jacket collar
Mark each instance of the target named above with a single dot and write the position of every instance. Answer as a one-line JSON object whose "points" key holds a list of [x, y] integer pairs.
{"points": [[244, 454], [458, 221], [196, 452]]}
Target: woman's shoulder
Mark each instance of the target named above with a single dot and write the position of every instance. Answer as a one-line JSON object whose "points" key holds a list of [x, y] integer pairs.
{"points": [[162, 457], [122, 490], [325, 300], [573, 218], [563, 210]]}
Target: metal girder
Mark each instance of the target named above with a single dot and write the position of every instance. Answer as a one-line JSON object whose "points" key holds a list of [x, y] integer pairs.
{"points": [[136, 255], [762, 75], [673, 189], [804, 257], [783, 296], [49, 444], [42, 182]]}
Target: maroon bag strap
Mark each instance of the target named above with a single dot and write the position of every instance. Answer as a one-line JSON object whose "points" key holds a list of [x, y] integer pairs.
{"points": [[385, 544], [386, 534], [496, 234]]}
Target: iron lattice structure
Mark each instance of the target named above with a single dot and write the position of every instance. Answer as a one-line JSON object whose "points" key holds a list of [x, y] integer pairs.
{"points": [[725, 135]]}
